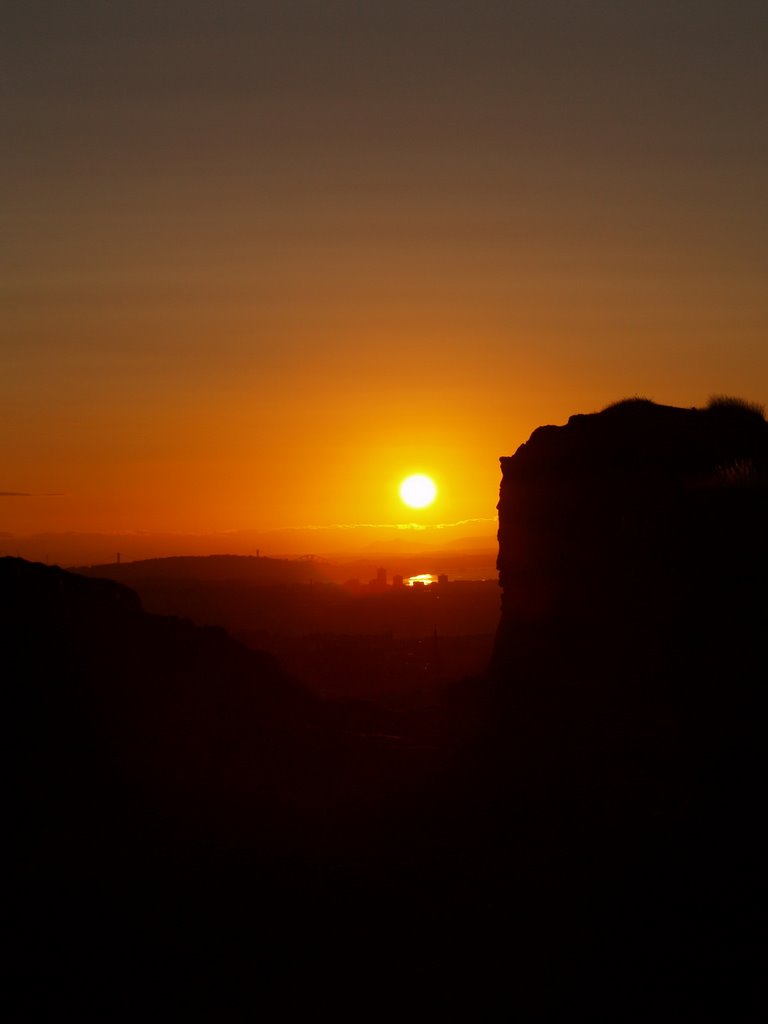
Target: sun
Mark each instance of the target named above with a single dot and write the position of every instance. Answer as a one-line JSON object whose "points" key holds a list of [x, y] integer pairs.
{"points": [[418, 491]]}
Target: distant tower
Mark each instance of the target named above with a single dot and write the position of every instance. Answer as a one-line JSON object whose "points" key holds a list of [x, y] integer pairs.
{"points": [[118, 558], [381, 577]]}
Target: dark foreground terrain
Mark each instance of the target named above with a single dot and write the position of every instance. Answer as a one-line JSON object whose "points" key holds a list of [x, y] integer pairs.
{"points": [[576, 833]]}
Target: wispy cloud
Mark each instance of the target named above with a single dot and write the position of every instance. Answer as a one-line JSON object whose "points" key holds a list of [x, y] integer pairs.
{"points": [[466, 522], [417, 527], [28, 494]]}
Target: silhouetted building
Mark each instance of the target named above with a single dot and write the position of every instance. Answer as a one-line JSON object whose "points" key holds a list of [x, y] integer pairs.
{"points": [[379, 583]]}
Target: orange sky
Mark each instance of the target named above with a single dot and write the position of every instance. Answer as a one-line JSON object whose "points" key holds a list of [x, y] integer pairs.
{"points": [[261, 264]]}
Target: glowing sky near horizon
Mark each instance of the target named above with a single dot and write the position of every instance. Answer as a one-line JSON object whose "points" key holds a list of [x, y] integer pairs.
{"points": [[262, 261]]}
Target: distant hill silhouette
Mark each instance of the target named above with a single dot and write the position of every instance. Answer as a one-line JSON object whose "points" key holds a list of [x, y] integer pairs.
{"points": [[262, 571], [209, 569]]}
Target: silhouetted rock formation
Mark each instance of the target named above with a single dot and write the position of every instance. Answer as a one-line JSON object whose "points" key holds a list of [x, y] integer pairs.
{"points": [[641, 510], [629, 670], [633, 554], [633, 551]]}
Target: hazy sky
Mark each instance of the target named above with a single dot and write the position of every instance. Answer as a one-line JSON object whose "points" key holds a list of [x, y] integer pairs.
{"points": [[262, 259]]}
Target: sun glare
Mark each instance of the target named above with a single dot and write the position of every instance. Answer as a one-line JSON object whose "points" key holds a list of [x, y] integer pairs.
{"points": [[418, 491]]}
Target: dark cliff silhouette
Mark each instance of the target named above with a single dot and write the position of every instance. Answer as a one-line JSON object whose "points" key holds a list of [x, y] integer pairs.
{"points": [[641, 509], [633, 555], [629, 675]]}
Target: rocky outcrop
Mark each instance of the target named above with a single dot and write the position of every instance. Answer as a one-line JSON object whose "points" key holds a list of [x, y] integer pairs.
{"points": [[629, 672], [637, 517], [630, 656]]}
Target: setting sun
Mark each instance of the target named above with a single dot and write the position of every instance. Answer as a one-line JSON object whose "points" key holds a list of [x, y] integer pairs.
{"points": [[418, 491]]}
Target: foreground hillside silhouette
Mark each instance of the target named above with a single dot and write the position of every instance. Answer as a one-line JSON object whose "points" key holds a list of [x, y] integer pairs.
{"points": [[576, 832]]}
